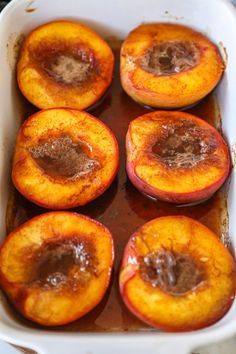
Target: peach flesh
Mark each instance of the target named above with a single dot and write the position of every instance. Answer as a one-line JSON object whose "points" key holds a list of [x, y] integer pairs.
{"points": [[169, 66], [64, 158], [64, 64], [176, 275], [178, 150], [60, 265]]}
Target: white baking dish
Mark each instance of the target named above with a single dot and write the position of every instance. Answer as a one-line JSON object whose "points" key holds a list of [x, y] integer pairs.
{"points": [[216, 18]]}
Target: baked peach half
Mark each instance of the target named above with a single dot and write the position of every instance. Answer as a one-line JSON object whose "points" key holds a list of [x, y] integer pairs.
{"points": [[176, 275], [64, 158], [56, 267], [176, 157], [168, 65], [64, 64]]}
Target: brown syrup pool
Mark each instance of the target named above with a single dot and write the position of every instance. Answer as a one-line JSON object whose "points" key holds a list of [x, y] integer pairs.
{"points": [[123, 209]]}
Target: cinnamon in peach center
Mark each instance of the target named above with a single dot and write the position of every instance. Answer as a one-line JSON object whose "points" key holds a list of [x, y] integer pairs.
{"points": [[183, 145], [172, 272], [170, 57], [61, 158], [63, 263]]}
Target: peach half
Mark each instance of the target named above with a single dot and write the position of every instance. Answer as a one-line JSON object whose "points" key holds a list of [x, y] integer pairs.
{"points": [[56, 267], [176, 275], [168, 65], [64, 158], [64, 64], [176, 157]]}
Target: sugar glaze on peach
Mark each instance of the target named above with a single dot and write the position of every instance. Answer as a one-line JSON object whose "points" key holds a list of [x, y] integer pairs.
{"points": [[66, 263], [184, 144], [61, 158], [173, 272], [170, 57]]}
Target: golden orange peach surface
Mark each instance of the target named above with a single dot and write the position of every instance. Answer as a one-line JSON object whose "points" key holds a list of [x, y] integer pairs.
{"points": [[64, 64], [198, 307], [56, 302], [33, 181], [160, 175], [177, 89]]}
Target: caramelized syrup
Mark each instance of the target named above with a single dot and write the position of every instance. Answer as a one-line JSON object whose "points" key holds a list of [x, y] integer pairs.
{"points": [[174, 273], [68, 65], [170, 57], [184, 144], [123, 209], [61, 265], [68, 70], [61, 158]]}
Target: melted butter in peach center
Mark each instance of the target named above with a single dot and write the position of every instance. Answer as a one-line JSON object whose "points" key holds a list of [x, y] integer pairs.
{"points": [[170, 58], [62, 263], [68, 69], [65, 62], [172, 272], [61, 158], [183, 145]]}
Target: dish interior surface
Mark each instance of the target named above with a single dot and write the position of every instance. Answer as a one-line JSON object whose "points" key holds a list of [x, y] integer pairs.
{"points": [[122, 208]]}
